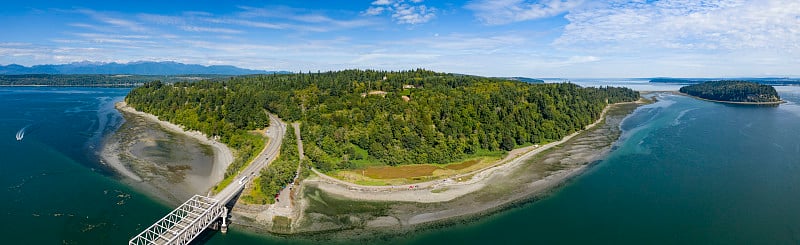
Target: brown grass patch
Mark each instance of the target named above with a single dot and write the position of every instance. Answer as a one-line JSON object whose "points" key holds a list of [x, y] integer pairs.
{"points": [[397, 172], [463, 165]]}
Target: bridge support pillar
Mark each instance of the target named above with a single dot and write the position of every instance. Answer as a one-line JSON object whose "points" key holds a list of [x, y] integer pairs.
{"points": [[224, 227]]}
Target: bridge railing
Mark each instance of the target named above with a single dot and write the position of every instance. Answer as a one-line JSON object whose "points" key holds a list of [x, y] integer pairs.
{"points": [[183, 224]]}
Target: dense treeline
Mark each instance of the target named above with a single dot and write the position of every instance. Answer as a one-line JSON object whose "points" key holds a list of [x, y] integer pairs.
{"points": [[392, 118], [736, 91], [95, 80], [765, 81], [208, 107], [282, 171]]}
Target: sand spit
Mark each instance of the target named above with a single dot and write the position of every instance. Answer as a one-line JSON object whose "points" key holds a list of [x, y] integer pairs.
{"points": [[169, 181], [431, 191], [222, 154], [330, 205]]}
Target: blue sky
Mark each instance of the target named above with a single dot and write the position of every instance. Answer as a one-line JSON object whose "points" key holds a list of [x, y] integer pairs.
{"points": [[547, 38]]}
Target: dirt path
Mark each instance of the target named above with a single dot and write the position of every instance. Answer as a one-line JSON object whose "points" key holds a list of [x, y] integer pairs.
{"points": [[285, 204], [451, 188]]}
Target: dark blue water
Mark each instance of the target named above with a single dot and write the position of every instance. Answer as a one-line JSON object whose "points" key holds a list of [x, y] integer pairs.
{"points": [[686, 171]]}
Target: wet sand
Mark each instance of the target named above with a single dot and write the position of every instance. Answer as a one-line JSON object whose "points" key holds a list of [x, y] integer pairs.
{"points": [[524, 178], [163, 159], [457, 186]]}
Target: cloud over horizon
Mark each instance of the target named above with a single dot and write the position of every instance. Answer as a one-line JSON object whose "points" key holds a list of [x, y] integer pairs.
{"points": [[544, 38]]}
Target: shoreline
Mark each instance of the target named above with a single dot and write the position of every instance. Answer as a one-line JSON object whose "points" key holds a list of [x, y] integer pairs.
{"points": [[527, 178], [774, 103], [454, 187], [222, 153], [114, 150]]}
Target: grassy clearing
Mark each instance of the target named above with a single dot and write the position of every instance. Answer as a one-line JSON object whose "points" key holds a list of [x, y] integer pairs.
{"points": [[372, 182], [398, 172], [371, 174], [463, 165]]}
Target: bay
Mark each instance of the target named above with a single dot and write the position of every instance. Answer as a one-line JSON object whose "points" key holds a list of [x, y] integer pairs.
{"points": [[684, 171]]}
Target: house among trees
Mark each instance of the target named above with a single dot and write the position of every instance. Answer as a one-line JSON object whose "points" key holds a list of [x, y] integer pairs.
{"points": [[377, 92]]}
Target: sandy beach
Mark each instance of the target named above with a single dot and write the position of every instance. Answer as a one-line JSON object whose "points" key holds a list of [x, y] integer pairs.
{"points": [[431, 191], [171, 181], [525, 174]]}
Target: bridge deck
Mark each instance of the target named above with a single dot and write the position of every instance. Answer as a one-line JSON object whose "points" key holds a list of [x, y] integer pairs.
{"points": [[183, 224], [187, 221]]}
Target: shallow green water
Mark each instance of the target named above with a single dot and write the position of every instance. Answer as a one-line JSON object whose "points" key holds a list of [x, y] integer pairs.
{"points": [[686, 171]]}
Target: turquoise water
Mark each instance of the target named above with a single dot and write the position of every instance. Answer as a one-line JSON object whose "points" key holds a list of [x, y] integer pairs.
{"points": [[686, 171]]}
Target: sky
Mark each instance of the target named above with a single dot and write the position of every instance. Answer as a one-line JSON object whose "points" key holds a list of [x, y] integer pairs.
{"points": [[540, 39]]}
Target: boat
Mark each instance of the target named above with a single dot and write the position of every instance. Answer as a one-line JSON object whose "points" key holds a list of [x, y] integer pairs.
{"points": [[21, 133]]}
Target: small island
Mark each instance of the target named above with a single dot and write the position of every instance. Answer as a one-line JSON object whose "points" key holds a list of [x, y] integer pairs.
{"points": [[736, 92]]}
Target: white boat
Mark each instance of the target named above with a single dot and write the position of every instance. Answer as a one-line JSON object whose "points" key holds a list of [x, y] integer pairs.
{"points": [[21, 133]]}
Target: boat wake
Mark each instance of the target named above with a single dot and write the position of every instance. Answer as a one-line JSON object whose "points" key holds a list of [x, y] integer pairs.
{"points": [[21, 133]]}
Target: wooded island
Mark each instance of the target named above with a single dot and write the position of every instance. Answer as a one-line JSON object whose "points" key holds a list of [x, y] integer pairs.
{"points": [[734, 91]]}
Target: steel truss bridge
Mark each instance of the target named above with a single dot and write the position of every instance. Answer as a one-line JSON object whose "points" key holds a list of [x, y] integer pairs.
{"points": [[191, 218], [185, 223]]}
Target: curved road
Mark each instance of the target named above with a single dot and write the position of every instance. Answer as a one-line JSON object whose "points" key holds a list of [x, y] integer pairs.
{"points": [[275, 132]]}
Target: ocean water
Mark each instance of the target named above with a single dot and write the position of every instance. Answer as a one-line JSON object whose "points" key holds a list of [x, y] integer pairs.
{"points": [[685, 171], [54, 190]]}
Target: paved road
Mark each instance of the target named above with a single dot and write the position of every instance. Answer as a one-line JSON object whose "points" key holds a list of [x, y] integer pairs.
{"points": [[275, 132]]}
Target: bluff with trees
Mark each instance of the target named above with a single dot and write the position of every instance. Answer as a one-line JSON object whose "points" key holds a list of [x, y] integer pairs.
{"points": [[733, 91], [354, 117]]}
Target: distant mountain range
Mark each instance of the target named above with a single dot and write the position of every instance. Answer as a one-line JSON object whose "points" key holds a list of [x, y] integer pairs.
{"points": [[135, 68]]}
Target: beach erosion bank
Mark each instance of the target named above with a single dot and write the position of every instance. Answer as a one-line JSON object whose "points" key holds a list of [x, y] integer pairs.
{"points": [[162, 158]]}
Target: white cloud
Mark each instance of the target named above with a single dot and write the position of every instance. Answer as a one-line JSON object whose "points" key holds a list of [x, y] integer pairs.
{"points": [[686, 25], [297, 19], [162, 19], [498, 12], [403, 12], [115, 22], [372, 11], [464, 44], [210, 29]]}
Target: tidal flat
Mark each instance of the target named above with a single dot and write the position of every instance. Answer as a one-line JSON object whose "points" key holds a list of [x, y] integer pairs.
{"points": [[170, 166], [327, 217]]}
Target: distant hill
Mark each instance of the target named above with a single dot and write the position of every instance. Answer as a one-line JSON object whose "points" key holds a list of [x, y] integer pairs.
{"points": [[775, 81], [524, 79], [135, 68]]}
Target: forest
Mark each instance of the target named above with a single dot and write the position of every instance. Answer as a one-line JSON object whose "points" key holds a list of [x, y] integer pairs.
{"points": [[283, 170], [734, 91], [353, 118]]}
